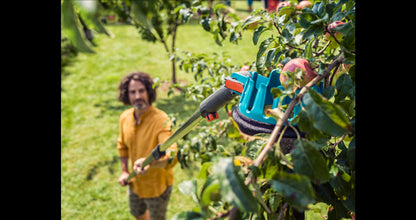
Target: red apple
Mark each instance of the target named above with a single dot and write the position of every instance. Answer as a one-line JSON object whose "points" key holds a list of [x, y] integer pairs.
{"points": [[334, 25], [245, 68], [292, 65], [303, 4], [338, 35], [282, 4]]}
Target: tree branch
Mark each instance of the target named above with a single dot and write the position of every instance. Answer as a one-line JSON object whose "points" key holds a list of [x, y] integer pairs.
{"points": [[323, 49], [282, 211], [263, 154], [277, 27]]}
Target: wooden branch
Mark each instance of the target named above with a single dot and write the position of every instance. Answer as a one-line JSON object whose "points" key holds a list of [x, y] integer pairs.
{"points": [[263, 154], [323, 49], [282, 211], [277, 27]]}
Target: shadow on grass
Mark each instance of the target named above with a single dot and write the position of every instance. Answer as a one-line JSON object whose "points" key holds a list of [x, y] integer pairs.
{"points": [[110, 163], [110, 107]]}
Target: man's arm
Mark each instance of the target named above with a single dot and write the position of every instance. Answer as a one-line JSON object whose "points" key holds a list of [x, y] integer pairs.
{"points": [[124, 171]]}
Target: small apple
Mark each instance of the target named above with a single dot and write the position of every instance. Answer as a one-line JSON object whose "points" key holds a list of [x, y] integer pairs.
{"points": [[284, 8], [303, 4], [334, 25], [245, 68], [338, 35], [302, 64], [282, 4]]}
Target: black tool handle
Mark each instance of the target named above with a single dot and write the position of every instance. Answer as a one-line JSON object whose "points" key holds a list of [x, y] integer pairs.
{"points": [[216, 100]]}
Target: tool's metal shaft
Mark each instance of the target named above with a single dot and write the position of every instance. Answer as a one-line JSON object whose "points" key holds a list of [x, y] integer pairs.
{"points": [[211, 104], [182, 131]]}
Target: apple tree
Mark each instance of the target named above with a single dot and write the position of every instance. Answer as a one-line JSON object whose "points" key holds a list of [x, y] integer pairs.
{"points": [[258, 177]]}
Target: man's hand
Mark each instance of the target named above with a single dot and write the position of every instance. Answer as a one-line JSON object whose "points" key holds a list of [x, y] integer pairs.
{"points": [[137, 167], [123, 178]]}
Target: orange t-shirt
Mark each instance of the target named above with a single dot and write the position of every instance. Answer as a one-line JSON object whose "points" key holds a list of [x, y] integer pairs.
{"points": [[138, 141]]}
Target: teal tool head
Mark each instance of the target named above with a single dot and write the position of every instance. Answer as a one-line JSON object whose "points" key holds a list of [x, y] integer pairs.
{"points": [[256, 98]]}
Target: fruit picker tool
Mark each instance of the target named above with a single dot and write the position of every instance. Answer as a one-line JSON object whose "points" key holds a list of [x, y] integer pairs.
{"points": [[255, 97], [207, 109]]}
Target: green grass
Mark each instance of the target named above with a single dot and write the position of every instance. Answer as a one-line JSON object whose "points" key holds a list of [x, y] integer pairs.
{"points": [[90, 112]]}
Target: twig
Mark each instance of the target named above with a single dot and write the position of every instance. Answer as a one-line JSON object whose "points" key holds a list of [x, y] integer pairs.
{"points": [[282, 211], [277, 27], [332, 35], [339, 141], [323, 49], [293, 47], [218, 215], [263, 154], [333, 75], [279, 151]]}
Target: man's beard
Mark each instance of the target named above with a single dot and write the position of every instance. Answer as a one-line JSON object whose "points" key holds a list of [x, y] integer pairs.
{"points": [[139, 105]]}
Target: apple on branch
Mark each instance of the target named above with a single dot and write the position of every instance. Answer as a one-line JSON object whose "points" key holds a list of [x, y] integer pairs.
{"points": [[298, 63], [303, 4], [338, 35]]}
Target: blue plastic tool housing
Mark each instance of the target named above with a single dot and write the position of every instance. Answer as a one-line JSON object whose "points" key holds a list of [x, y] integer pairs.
{"points": [[256, 95]]}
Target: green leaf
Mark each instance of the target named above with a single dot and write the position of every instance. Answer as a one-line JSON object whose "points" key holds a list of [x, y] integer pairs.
{"points": [[232, 187], [308, 50], [329, 92], [342, 184], [287, 36], [269, 57], [189, 187], [263, 46], [285, 11], [296, 188], [71, 27], [217, 7], [318, 9], [303, 21], [326, 116], [276, 92], [206, 22], [306, 125], [344, 87], [89, 13], [257, 33], [251, 20], [308, 161], [313, 30], [351, 154], [210, 191], [324, 19]]}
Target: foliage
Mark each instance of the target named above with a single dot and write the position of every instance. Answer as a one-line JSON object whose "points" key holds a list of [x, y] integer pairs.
{"points": [[321, 166], [158, 21], [77, 19]]}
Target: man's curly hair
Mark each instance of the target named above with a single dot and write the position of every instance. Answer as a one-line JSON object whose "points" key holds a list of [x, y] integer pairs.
{"points": [[143, 78]]}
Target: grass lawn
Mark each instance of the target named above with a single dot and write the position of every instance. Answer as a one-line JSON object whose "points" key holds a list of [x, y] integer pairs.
{"points": [[90, 112]]}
